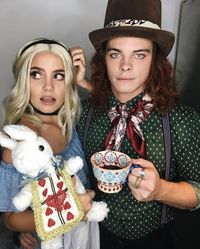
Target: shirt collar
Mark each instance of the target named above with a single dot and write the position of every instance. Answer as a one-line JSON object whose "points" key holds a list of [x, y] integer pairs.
{"points": [[113, 101]]}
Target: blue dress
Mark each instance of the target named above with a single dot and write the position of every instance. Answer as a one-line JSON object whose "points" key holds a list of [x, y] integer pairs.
{"points": [[10, 178]]}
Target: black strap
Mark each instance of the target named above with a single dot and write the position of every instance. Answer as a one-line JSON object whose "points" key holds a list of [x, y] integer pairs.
{"points": [[167, 142], [86, 128]]}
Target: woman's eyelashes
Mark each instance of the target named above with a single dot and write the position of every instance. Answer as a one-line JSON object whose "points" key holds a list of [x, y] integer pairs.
{"points": [[37, 74], [59, 75]]}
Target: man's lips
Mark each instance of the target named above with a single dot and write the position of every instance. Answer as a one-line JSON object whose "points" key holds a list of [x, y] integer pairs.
{"points": [[125, 79]]}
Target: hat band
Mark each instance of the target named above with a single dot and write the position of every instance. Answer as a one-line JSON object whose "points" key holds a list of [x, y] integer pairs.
{"points": [[132, 23]]}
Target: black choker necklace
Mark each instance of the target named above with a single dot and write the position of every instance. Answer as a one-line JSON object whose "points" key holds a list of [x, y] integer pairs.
{"points": [[46, 113]]}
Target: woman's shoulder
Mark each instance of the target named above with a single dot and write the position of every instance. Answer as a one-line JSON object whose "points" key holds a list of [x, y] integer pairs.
{"points": [[6, 156], [30, 124], [5, 152]]}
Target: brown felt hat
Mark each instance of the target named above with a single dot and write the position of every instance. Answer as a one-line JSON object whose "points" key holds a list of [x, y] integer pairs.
{"points": [[138, 18]]}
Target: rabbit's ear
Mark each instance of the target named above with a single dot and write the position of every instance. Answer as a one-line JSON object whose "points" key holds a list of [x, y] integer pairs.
{"points": [[7, 142], [20, 132]]}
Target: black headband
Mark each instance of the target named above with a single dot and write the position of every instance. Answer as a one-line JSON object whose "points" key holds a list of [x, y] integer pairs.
{"points": [[43, 41]]}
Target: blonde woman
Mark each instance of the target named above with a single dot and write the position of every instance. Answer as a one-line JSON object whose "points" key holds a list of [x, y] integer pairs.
{"points": [[44, 98]]}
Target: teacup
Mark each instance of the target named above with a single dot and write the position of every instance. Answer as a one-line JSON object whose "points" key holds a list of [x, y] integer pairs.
{"points": [[110, 169]]}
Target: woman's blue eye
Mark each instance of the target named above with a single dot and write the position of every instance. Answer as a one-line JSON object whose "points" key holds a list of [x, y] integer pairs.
{"points": [[59, 76], [35, 75]]}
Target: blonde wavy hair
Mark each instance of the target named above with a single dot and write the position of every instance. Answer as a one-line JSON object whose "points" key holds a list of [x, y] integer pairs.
{"points": [[17, 106]]}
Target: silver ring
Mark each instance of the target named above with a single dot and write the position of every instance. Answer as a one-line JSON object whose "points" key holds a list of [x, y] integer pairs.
{"points": [[141, 174]]}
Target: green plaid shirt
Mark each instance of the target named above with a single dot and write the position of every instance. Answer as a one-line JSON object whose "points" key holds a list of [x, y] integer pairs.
{"points": [[129, 218]]}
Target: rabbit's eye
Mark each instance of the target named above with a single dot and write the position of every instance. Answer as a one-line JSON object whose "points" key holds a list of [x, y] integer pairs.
{"points": [[41, 147]]}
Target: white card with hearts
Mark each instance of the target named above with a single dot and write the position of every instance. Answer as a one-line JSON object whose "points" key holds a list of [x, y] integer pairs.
{"points": [[57, 208]]}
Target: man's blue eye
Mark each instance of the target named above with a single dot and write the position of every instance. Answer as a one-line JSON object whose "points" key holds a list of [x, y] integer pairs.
{"points": [[114, 55]]}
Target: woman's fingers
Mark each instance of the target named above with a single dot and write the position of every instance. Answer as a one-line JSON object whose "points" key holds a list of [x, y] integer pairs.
{"points": [[28, 241]]}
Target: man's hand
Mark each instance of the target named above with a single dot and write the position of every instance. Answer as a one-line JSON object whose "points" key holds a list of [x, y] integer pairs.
{"points": [[79, 64], [144, 182]]}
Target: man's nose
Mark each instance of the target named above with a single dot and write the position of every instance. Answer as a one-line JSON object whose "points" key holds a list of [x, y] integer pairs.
{"points": [[126, 64]]}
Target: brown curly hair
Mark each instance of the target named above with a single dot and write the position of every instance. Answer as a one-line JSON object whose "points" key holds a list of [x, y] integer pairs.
{"points": [[161, 84]]}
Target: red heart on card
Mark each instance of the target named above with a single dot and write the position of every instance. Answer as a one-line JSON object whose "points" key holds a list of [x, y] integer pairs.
{"points": [[56, 200], [70, 216], [51, 222], [60, 185], [67, 205], [44, 193], [42, 182], [49, 211]]}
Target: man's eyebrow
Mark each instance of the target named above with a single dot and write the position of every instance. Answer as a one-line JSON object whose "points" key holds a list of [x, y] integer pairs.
{"points": [[111, 49], [134, 51], [142, 50]]}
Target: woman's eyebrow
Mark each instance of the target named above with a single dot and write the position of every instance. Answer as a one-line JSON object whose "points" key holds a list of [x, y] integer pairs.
{"points": [[41, 69], [38, 68], [59, 70]]}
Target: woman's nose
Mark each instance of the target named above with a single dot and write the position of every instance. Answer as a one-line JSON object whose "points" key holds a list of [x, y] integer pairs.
{"points": [[48, 84]]}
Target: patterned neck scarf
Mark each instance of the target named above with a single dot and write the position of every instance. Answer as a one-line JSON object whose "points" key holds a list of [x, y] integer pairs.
{"points": [[124, 120]]}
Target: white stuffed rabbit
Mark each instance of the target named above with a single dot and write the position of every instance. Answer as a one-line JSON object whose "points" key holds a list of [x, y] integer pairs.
{"points": [[47, 185]]}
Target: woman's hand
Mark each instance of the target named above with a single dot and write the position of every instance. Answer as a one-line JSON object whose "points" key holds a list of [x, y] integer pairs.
{"points": [[86, 200], [79, 64], [28, 241], [144, 182]]}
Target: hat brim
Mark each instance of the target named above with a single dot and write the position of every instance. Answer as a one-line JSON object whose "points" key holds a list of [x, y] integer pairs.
{"points": [[164, 39]]}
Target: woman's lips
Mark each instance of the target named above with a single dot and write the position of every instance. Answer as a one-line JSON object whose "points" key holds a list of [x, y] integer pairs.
{"points": [[48, 99]]}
